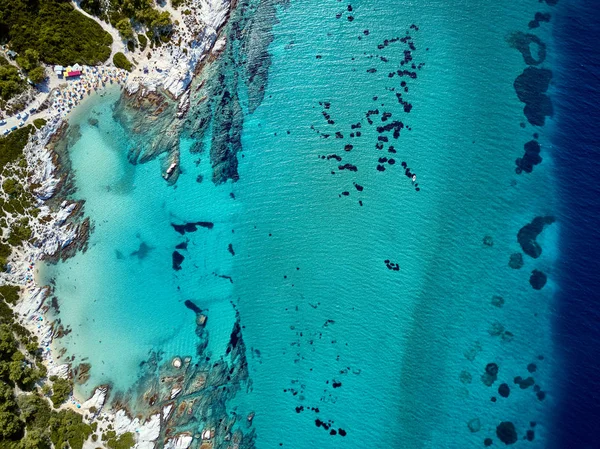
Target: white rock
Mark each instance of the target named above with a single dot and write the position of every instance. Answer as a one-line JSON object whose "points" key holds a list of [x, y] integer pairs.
{"points": [[97, 400], [59, 370], [181, 441]]}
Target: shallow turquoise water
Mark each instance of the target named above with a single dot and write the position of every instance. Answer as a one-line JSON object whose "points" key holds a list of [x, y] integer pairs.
{"points": [[305, 254]]}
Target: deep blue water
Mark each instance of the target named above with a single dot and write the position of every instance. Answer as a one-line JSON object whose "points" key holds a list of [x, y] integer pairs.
{"points": [[576, 147]]}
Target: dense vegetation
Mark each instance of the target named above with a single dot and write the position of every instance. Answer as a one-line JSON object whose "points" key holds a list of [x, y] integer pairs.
{"points": [[59, 33], [15, 199], [11, 83], [11, 146], [122, 14]]}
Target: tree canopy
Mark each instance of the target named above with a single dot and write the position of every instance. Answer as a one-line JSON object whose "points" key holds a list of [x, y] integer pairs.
{"points": [[59, 33]]}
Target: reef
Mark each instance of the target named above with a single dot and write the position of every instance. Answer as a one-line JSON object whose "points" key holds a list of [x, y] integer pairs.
{"points": [[188, 396], [151, 122], [490, 375], [530, 158], [538, 19], [522, 42], [214, 99], [474, 425], [527, 235], [516, 261], [538, 279], [531, 87], [506, 432]]}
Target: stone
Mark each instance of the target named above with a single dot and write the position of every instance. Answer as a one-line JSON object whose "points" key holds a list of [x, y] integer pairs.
{"points": [[488, 240], [504, 390]]}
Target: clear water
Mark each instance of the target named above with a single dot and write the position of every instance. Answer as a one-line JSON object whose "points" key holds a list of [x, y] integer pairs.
{"points": [[397, 341]]}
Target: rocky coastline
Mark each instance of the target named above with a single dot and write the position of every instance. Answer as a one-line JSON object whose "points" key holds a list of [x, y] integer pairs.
{"points": [[61, 230]]}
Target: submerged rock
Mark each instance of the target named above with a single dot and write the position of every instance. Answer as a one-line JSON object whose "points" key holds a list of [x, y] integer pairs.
{"points": [[177, 260], [504, 390], [530, 158], [531, 87], [497, 301], [506, 432], [538, 279], [474, 425], [490, 375], [192, 227], [516, 261], [522, 42], [527, 235]]}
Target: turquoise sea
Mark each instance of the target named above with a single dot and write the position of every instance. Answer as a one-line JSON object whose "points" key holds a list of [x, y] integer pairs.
{"points": [[368, 302]]}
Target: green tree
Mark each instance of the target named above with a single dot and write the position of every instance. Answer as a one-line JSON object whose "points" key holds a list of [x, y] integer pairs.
{"points": [[11, 186], [10, 424], [162, 21], [61, 389], [10, 82], [10, 293], [67, 427], [124, 28], [35, 439], [35, 410], [8, 344], [29, 59], [143, 41], [37, 74], [5, 252]]}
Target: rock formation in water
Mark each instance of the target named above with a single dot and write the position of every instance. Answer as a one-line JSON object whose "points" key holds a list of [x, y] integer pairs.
{"points": [[527, 235], [506, 432], [531, 87], [150, 120], [522, 42]]}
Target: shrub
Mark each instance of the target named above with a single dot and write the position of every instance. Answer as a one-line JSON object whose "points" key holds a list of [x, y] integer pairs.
{"points": [[39, 123], [37, 75], [121, 61], [143, 40]]}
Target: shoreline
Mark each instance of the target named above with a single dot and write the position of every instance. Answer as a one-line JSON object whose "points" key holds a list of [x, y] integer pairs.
{"points": [[170, 70]]}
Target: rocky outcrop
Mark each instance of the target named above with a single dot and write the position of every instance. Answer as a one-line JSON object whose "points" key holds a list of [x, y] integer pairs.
{"points": [[527, 235]]}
